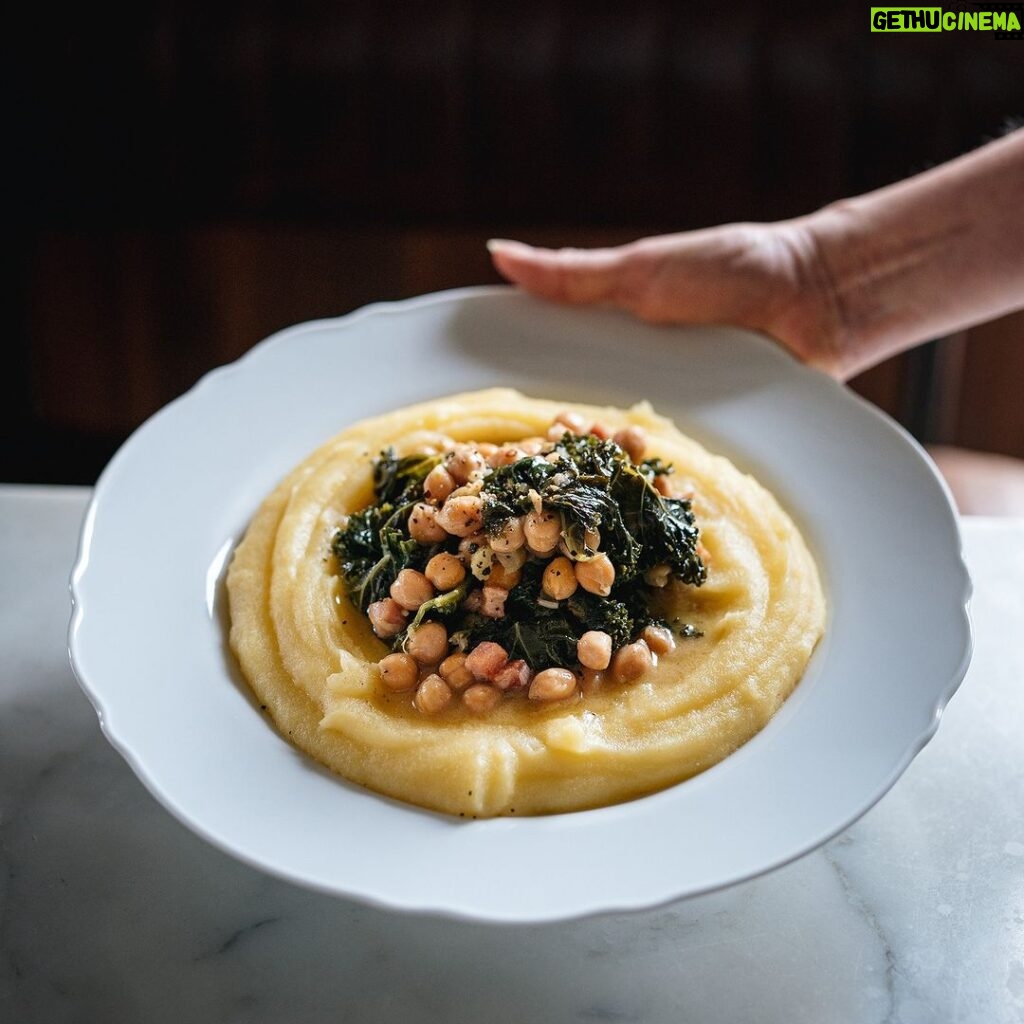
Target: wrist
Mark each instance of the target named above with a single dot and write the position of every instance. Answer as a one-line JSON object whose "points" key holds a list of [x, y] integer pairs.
{"points": [[814, 322]]}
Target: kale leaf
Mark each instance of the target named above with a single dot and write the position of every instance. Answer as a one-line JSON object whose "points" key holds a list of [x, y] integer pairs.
{"points": [[442, 606], [665, 527], [622, 617], [371, 556], [374, 546], [400, 481], [507, 492], [545, 641], [651, 468]]}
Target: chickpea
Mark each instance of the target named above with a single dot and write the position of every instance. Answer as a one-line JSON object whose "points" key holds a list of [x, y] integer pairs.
{"points": [[445, 571], [659, 639], [428, 643], [559, 579], [663, 485], [486, 660], [411, 588], [399, 672], [511, 560], [463, 515], [510, 537], [423, 525], [474, 601], [596, 575], [481, 698], [438, 484], [433, 695], [471, 490], [572, 421], [505, 456], [631, 662], [553, 684], [502, 577], [594, 650], [387, 617], [543, 530], [493, 604], [454, 672], [658, 575], [464, 464], [633, 441], [486, 450], [600, 430], [532, 445]]}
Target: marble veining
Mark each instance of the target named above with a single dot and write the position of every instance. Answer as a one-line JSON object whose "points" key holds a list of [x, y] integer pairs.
{"points": [[831, 854], [112, 911]]}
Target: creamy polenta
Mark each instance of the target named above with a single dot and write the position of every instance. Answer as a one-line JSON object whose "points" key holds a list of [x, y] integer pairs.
{"points": [[517, 739]]}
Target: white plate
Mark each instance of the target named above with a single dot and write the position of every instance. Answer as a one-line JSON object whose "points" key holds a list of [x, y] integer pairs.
{"points": [[148, 634]]}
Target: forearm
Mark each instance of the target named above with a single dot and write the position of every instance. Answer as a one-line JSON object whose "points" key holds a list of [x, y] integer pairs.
{"points": [[925, 257]]}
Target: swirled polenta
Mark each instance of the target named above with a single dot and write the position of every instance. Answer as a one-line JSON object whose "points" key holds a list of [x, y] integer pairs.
{"points": [[310, 655]]}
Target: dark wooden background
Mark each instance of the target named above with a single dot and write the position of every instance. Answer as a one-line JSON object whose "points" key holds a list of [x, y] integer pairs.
{"points": [[190, 177]]}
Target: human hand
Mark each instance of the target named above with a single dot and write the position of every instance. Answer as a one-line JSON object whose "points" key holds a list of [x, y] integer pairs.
{"points": [[766, 277], [843, 288]]}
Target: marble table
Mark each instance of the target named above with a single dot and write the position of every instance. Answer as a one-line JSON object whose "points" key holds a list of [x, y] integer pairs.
{"points": [[112, 911]]}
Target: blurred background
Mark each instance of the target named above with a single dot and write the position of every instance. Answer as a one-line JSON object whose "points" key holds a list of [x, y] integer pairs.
{"points": [[191, 177]]}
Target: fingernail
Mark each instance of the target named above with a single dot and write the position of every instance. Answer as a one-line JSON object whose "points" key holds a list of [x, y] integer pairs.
{"points": [[498, 244]]}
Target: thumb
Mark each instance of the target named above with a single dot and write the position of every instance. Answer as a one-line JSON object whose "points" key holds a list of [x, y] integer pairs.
{"points": [[562, 275]]}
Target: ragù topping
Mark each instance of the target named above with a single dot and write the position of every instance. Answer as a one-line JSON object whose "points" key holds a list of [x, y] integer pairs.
{"points": [[530, 568]]}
